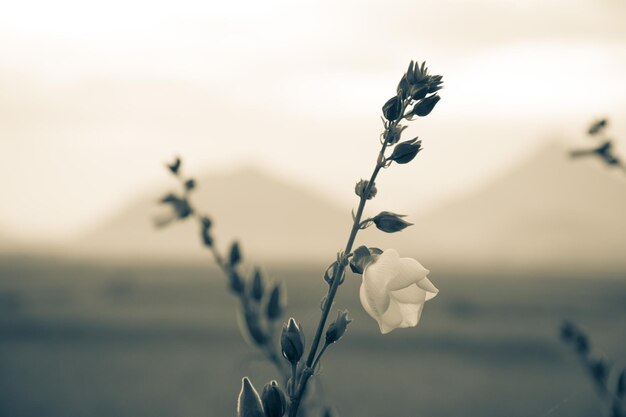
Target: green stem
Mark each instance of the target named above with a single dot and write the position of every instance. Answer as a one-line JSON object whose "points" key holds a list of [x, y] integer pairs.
{"points": [[332, 291]]}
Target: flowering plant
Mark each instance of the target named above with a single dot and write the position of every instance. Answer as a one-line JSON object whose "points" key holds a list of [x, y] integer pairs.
{"points": [[393, 290]]}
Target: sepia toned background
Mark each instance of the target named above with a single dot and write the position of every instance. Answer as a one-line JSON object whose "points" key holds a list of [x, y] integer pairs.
{"points": [[274, 108]]}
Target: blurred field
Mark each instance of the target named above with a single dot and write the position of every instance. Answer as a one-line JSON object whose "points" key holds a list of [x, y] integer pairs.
{"points": [[95, 340]]}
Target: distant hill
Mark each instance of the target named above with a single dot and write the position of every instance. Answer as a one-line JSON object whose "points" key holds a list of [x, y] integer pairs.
{"points": [[272, 218], [549, 211]]}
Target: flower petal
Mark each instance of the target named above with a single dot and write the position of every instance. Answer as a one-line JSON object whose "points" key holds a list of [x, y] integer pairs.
{"points": [[410, 272], [428, 286], [392, 319], [366, 304], [386, 267], [411, 294], [410, 314]]}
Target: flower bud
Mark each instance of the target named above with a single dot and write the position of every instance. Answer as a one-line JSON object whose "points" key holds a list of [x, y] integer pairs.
{"points": [[292, 341], [392, 110], [361, 186], [275, 305], [174, 166], [235, 254], [253, 327], [249, 403], [424, 107], [418, 91], [403, 87], [390, 222], [274, 401], [257, 285], [337, 328], [236, 283], [190, 184], [207, 239], [406, 151]]}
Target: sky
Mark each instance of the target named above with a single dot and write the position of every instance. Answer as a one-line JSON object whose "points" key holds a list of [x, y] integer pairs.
{"points": [[96, 96]]}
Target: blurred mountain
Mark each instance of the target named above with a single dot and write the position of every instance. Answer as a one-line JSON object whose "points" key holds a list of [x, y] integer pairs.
{"points": [[272, 218], [551, 211]]}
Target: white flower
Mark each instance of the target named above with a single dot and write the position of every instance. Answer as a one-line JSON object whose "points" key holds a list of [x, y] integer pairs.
{"points": [[394, 290]]}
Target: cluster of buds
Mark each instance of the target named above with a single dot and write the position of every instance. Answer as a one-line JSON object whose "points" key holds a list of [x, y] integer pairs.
{"points": [[598, 369], [271, 403]]}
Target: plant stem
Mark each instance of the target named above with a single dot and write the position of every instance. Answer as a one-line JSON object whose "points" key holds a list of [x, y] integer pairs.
{"points": [[332, 291]]}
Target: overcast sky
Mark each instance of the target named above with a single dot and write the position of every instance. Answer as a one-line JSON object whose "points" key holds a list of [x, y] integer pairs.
{"points": [[96, 95]]}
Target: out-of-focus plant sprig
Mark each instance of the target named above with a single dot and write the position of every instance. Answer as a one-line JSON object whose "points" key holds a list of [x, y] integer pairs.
{"points": [[611, 386], [262, 303], [605, 150]]}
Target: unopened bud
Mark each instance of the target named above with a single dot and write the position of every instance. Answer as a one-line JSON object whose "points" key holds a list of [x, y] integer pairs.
{"points": [[174, 166], [275, 304], [390, 222], [392, 110], [257, 285], [235, 254], [274, 401], [236, 283], [249, 402], [337, 328], [404, 152], [361, 187], [253, 327], [190, 184], [418, 91], [292, 341], [424, 107], [207, 239]]}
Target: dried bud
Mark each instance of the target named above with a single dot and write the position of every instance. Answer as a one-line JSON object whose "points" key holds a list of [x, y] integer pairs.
{"points": [[174, 166], [205, 225], [276, 304], [393, 133], [292, 341], [361, 186], [257, 285], [337, 328], [235, 254], [424, 107], [392, 110], [390, 222], [274, 401], [249, 403], [406, 151], [190, 184]]}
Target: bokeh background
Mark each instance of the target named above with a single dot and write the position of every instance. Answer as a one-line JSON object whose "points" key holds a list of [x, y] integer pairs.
{"points": [[274, 108]]}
